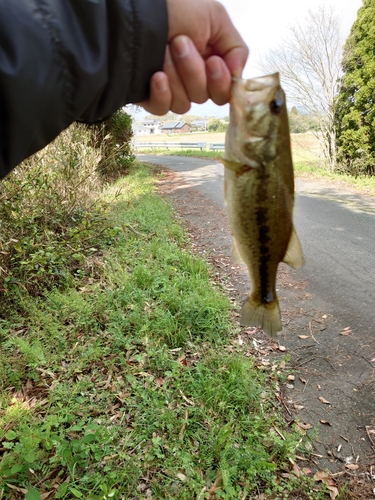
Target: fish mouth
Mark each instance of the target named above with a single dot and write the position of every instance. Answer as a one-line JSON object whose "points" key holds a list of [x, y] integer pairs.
{"points": [[253, 137]]}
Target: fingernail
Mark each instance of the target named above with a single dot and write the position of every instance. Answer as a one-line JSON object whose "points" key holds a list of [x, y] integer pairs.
{"points": [[160, 83], [214, 69], [181, 46]]}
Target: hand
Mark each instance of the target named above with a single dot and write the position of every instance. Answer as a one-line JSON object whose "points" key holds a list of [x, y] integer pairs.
{"points": [[204, 51]]}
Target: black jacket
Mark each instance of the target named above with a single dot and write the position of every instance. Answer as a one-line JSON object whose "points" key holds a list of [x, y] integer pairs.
{"points": [[67, 60]]}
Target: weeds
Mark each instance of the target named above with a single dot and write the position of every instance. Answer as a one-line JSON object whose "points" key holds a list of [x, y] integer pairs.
{"points": [[51, 216], [366, 183]]}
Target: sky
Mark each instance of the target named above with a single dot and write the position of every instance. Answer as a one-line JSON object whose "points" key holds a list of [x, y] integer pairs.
{"points": [[264, 23]]}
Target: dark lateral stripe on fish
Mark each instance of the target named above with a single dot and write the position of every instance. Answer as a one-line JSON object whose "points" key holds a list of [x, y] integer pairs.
{"points": [[264, 237]]}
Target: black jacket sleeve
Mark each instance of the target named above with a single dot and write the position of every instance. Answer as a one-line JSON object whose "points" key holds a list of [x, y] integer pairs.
{"points": [[67, 60]]}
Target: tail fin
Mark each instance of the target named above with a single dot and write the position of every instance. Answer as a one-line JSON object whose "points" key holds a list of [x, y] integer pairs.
{"points": [[265, 315]]}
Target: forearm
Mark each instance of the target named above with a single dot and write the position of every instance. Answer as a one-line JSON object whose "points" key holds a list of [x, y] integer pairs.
{"points": [[66, 60]]}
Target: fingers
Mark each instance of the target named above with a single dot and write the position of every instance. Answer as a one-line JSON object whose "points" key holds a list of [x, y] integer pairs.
{"points": [[182, 81], [160, 99], [226, 40], [208, 25], [218, 80], [205, 50], [187, 78], [190, 66], [180, 102]]}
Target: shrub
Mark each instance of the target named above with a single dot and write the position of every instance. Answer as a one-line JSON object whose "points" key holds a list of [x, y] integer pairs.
{"points": [[49, 216], [113, 138]]}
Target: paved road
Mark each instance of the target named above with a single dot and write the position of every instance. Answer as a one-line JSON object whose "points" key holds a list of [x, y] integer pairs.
{"points": [[337, 230], [334, 290]]}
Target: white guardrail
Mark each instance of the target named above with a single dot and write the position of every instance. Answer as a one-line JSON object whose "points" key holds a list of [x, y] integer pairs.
{"points": [[179, 145], [168, 145], [217, 146]]}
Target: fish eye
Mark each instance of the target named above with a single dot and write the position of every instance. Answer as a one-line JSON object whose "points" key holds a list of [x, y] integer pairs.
{"points": [[275, 106]]}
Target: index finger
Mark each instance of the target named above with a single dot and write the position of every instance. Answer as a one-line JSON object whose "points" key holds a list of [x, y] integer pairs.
{"points": [[226, 41]]}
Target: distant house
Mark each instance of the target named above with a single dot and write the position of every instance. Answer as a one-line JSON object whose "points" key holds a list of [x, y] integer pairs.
{"points": [[176, 128], [199, 124], [147, 127]]}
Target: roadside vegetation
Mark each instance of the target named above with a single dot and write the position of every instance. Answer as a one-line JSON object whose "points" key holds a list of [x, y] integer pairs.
{"points": [[121, 372], [307, 159]]}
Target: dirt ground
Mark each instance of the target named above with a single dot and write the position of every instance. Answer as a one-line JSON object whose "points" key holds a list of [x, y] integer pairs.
{"points": [[322, 393]]}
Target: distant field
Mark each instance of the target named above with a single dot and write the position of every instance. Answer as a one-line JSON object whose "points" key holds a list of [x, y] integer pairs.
{"points": [[194, 137], [305, 147]]}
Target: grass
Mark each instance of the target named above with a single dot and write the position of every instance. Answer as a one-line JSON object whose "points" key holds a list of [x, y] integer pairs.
{"points": [[215, 155], [130, 383], [362, 183]]}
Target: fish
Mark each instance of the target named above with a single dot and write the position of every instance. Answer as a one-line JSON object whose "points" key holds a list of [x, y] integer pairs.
{"points": [[259, 193]]}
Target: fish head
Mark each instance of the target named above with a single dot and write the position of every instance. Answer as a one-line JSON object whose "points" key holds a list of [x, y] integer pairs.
{"points": [[258, 119]]}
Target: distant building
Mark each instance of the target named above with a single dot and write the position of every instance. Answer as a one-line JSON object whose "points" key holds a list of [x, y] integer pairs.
{"points": [[147, 127], [176, 128], [199, 124]]}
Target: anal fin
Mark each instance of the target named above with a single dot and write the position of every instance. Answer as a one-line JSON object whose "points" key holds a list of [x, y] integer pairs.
{"points": [[294, 256]]}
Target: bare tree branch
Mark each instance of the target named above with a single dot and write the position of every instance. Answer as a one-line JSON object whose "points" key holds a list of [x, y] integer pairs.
{"points": [[309, 64]]}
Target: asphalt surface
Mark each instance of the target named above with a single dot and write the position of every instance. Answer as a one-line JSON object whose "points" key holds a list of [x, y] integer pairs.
{"points": [[328, 306]]}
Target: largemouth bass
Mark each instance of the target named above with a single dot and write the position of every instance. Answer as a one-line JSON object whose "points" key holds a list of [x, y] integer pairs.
{"points": [[259, 193]]}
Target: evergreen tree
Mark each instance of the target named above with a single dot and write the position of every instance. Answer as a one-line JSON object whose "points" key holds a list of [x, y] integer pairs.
{"points": [[355, 104]]}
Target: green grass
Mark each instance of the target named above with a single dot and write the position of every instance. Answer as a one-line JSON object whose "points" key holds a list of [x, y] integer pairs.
{"points": [[131, 384], [216, 155], [361, 182]]}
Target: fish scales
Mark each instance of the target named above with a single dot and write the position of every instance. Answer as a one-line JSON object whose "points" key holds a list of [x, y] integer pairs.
{"points": [[259, 193]]}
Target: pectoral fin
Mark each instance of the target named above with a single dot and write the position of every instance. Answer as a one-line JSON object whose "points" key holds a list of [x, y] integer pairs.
{"points": [[232, 165], [294, 256]]}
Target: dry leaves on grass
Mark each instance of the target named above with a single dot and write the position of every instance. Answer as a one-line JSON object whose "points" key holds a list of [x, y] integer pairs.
{"points": [[329, 482]]}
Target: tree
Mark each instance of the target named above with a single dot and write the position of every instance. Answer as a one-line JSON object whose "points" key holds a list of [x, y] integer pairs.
{"points": [[113, 136], [355, 105], [300, 123], [217, 125], [309, 64]]}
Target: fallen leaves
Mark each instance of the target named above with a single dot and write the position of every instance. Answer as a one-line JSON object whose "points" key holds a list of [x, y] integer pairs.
{"points": [[186, 399], [303, 426], [329, 482], [325, 422], [371, 435], [352, 466], [323, 400], [346, 331], [298, 407], [181, 476]]}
